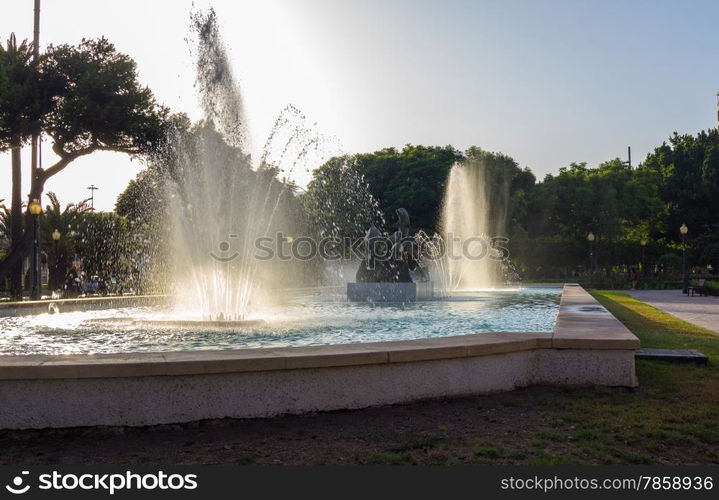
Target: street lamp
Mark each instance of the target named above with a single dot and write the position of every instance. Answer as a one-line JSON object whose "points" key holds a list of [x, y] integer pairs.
{"points": [[590, 239], [35, 210], [683, 230], [56, 238]]}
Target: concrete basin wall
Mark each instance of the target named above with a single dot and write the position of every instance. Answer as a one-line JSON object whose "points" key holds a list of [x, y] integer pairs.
{"points": [[588, 347], [29, 307]]}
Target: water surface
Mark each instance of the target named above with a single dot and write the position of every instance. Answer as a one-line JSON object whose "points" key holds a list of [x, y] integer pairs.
{"points": [[302, 320]]}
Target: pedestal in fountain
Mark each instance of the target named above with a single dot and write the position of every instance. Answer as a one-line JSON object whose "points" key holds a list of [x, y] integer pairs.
{"points": [[390, 292]]}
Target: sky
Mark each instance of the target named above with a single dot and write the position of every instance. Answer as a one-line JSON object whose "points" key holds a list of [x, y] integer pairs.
{"points": [[547, 82]]}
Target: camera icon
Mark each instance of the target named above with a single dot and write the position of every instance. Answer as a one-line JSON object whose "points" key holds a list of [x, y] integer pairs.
{"points": [[225, 256], [17, 488]]}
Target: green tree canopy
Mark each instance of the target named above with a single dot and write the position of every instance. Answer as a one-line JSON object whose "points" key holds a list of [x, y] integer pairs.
{"points": [[413, 178], [338, 201], [90, 100], [24, 94], [687, 169], [98, 103]]}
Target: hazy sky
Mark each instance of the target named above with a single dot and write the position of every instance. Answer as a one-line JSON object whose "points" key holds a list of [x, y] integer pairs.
{"points": [[547, 82]]}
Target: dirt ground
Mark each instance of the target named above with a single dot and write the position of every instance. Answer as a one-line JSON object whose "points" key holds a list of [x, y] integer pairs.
{"points": [[524, 426]]}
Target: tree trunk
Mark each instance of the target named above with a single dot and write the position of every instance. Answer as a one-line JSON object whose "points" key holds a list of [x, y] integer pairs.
{"points": [[16, 223], [24, 244]]}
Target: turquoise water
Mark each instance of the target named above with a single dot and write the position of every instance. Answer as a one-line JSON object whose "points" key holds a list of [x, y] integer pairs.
{"points": [[303, 320]]}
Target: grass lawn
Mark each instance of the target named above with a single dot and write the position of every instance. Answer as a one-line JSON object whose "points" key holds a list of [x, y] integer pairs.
{"points": [[672, 418]]}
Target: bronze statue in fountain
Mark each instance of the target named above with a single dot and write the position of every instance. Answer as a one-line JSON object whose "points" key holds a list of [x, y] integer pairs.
{"points": [[391, 270]]}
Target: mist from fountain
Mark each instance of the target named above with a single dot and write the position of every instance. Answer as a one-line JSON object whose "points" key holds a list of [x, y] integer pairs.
{"points": [[474, 211], [221, 203]]}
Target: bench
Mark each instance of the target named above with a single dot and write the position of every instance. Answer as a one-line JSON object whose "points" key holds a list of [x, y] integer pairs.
{"points": [[700, 288]]}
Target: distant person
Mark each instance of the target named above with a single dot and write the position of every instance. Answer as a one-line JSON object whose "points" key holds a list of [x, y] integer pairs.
{"points": [[634, 277]]}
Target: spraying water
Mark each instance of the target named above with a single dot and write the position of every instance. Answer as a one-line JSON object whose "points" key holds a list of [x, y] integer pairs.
{"points": [[222, 204], [474, 211]]}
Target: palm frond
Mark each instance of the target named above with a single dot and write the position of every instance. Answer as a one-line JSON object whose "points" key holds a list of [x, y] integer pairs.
{"points": [[22, 53], [4, 221]]}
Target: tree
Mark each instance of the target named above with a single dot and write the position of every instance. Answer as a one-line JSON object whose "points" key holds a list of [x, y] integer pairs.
{"points": [[97, 104], [103, 242], [22, 104], [351, 192], [143, 200], [4, 226], [67, 221], [414, 178], [23, 94], [145, 206], [687, 167], [338, 201]]}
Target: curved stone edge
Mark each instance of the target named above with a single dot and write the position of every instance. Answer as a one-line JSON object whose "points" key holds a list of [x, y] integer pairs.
{"points": [[150, 400], [583, 323], [158, 388], [575, 329], [251, 360], [28, 307]]}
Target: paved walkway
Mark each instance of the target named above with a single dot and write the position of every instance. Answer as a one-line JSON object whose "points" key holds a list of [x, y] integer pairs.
{"points": [[702, 311]]}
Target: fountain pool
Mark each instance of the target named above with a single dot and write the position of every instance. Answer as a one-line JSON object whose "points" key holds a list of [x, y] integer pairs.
{"points": [[301, 319], [339, 358]]}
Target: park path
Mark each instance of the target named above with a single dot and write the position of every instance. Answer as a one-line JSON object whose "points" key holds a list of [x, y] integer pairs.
{"points": [[701, 311]]}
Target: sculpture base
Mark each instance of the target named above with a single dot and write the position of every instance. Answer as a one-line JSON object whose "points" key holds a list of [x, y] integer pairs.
{"points": [[390, 292]]}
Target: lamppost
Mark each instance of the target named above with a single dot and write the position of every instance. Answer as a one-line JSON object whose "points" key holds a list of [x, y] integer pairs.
{"points": [[683, 230], [590, 239], [643, 243], [56, 238], [35, 210]]}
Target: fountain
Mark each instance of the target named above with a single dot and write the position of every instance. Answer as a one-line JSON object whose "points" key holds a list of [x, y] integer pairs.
{"points": [[220, 204], [393, 269], [242, 343], [474, 212]]}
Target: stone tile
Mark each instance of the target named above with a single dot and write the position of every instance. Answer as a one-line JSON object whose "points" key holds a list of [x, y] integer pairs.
{"points": [[426, 351], [334, 355], [583, 323]]}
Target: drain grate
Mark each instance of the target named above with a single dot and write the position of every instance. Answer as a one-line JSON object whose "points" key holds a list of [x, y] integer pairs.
{"points": [[592, 309], [691, 356]]}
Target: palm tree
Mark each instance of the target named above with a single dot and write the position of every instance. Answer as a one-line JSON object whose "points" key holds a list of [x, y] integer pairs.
{"points": [[66, 221], [4, 226], [20, 111], [21, 98]]}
